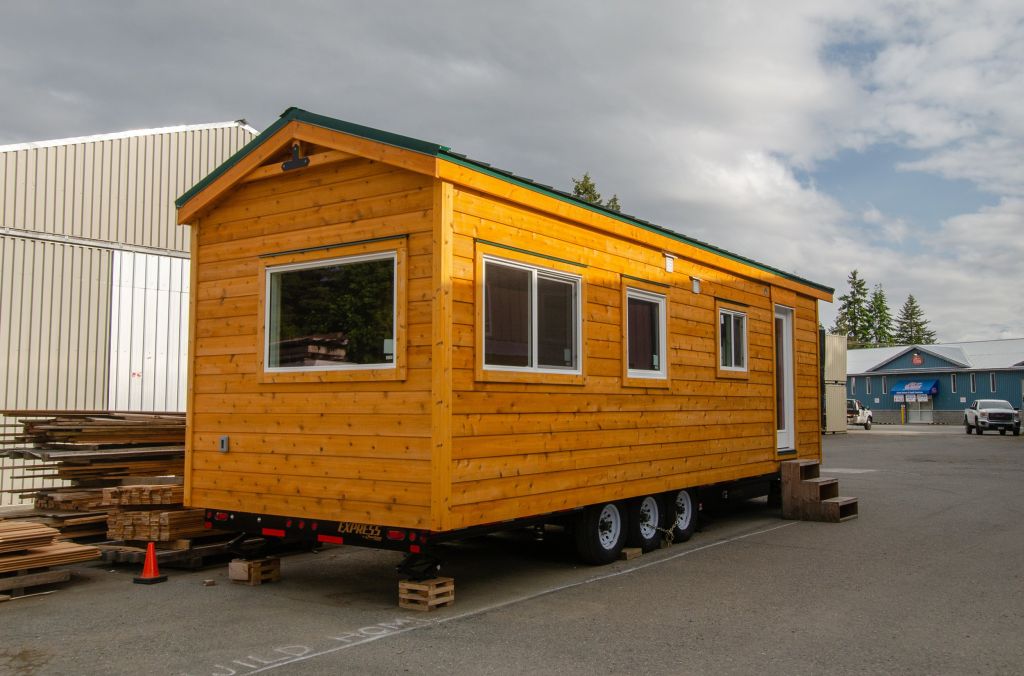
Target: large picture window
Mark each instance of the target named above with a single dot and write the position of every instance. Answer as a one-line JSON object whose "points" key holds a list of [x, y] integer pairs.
{"points": [[531, 318], [334, 314], [646, 334], [732, 340]]}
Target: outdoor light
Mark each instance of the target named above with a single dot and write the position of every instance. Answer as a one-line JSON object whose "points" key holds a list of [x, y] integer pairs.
{"points": [[695, 284], [670, 262]]}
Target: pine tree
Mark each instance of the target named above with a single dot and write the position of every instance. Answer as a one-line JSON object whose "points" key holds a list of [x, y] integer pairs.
{"points": [[911, 326], [879, 318], [852, 319], [586, 190]]}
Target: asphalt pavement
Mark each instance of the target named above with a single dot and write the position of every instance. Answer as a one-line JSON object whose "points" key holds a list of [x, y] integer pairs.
{"points": [[928, 580]]}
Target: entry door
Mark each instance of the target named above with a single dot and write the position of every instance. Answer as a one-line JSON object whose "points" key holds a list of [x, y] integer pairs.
{"points": [[784, 391]]}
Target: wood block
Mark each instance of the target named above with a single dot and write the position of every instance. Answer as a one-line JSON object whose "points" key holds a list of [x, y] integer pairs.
{"points": [[426, 595], [255, 572], [630, 553], [20, 582]]}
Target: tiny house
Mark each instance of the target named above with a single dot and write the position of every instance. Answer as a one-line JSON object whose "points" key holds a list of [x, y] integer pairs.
{"points": [[393, 344]]}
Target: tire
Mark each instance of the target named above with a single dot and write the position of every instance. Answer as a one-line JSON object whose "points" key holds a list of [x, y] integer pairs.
{"points": [[1016, 431], [1002, 431], [601, 533], [977, 429], [867, 425], [681, 514], [645, 525], [967, 426]]}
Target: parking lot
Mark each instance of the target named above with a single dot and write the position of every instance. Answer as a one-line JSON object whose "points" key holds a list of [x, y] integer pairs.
{"points": [[928, 580]]}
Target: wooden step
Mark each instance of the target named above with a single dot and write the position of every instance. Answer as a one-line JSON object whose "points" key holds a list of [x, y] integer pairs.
{"points": [[795, 471], [818, 489], [839, 509]]}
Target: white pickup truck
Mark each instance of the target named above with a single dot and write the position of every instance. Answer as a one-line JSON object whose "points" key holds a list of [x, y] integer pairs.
{"points": [[858, 414], [992, 414]]}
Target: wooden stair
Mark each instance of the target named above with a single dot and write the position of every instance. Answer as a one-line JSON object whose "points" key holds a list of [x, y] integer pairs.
{"points": [[807, 496]]}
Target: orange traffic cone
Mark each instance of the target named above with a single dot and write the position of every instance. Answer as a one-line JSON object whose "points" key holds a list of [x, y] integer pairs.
{"points": [[150, 574]]}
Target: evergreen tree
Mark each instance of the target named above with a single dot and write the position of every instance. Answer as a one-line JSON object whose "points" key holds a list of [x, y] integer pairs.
{"points": [[879, 318], [852, 319], [586, 190], [911, 326]]}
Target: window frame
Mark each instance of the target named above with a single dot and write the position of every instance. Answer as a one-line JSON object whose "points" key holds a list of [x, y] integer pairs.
{"points": [[867, 385], [634, 289], [487, 371], [952, 383], [992, 384], [974, 383], [393, 248], [733, 311]]}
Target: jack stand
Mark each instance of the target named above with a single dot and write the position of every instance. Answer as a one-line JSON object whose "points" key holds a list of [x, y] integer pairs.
{"points": [[419, 567]]}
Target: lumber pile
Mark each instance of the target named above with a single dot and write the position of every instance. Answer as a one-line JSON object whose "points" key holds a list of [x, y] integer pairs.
{"points": [[155, 526], [25, 546], [160, 494]]}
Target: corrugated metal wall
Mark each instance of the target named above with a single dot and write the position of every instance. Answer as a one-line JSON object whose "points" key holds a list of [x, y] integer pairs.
{"points": [[93, 276], [148, 331], [120, 189]]}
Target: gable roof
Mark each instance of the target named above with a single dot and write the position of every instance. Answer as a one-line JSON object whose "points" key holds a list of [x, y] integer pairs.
{"points": [[445, 153], [975, 355]]}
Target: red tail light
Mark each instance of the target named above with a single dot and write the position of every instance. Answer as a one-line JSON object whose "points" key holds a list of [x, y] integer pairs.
{"points": [[333, 539], [395, 534]]}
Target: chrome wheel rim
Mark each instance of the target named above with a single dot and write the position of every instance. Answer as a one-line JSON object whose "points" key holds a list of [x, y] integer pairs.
{"points": [[609, 526]]}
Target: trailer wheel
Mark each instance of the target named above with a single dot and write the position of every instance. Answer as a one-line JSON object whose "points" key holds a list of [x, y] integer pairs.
{"points": [[600, 533], [682, 513], [645, 523]]}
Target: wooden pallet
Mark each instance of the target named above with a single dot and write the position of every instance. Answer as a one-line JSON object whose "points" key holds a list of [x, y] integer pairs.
{"points": [[426, 595], [17, 583], [256, 572]]}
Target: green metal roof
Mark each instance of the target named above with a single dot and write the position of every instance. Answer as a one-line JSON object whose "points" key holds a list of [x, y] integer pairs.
{"points": [[446, 153]]}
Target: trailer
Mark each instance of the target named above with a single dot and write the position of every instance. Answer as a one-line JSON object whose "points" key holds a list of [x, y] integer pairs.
{"points": [[394, 345]]}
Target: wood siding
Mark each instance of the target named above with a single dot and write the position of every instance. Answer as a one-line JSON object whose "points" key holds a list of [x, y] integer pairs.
{"points": [[538, 443], [356, 450]]}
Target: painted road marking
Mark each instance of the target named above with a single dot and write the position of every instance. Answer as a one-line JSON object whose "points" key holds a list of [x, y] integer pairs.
{"points": [[846, 470], [292, 654]]}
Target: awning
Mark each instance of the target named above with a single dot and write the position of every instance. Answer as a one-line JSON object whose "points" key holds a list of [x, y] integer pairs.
{"points": [[915, 387]]}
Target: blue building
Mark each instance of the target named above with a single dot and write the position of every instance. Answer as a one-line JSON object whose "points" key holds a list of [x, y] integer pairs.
{"points": [[935, 383]]}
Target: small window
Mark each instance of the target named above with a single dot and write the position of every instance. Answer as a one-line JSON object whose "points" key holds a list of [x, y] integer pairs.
{"points": [[867, 385], [992, 382], [974, 383], [531, 318], [645, 334], [853, 384], [331, 315], [885, 385], [952, 383], [732, 340]]}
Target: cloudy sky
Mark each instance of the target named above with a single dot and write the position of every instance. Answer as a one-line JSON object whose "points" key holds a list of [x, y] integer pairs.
{"points": [[814, 136]]}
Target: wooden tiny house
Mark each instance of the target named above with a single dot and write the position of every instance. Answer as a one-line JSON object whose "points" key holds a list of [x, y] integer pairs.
{"points": [[388, 334]]}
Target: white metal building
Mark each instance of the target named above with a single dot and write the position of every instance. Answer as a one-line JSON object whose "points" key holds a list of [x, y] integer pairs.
{"points": [[94, 271]]}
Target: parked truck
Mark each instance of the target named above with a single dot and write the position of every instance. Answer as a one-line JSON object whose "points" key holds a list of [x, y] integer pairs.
{"points": [[393, 345]]}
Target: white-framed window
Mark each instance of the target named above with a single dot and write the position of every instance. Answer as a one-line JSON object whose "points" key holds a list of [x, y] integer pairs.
{"points": [[336, 314], [853, 384], [992, 381], [867, 385], [532, 319], [952, 383], [646, 334], [885, 385], [732, 340], [974, 383]]}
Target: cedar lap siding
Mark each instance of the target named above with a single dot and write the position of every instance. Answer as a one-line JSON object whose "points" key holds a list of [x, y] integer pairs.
{"points": [[436, 440]]}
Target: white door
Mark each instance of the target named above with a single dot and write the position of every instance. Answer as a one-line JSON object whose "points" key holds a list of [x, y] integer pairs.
{"points": [[784, 391]]}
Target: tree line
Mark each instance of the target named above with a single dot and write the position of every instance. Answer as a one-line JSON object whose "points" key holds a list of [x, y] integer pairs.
{"points": [[867, 321]]}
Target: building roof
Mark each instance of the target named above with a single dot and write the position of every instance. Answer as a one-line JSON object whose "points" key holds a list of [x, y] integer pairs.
{"points": [[446, 153], [32, 145], [975, 355]]}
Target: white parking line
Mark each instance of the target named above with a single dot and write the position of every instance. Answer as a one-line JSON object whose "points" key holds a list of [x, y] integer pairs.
{"points": [[846, 470], [420, 624]]}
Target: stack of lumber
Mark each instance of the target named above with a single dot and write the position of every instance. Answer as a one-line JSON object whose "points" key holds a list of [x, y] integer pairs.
{"points": [[161, 494], [24, 546], [152, 513], [90, 450], [155, 525]]}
